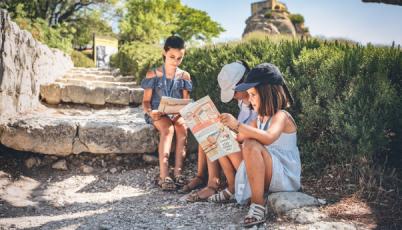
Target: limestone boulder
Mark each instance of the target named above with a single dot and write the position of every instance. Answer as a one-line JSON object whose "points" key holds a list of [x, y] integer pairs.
{"points": [[122, 137], [48, 136], [281, 202], [72, 132]]}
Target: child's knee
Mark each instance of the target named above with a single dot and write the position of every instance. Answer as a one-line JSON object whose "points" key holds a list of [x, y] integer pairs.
{"points": [[167, 130], [250, 146]]}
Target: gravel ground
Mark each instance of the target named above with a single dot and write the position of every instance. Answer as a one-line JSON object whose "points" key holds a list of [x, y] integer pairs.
{"points": [[104, 192], [119, 193]]}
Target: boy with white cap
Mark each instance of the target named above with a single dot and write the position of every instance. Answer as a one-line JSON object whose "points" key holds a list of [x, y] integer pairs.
{"points": [[230, 75]]}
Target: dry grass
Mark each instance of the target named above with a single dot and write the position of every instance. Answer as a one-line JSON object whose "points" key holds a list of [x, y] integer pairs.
{"points": [[359, 191]]}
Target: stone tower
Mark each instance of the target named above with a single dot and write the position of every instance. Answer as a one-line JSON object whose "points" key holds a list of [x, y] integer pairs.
{"points": [[266, 5]]}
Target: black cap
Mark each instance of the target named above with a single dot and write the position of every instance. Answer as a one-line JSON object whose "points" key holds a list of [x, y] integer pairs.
{"points": [[264, 73]]}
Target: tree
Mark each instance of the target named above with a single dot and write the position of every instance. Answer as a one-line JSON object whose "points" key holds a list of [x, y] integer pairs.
{"points": [[197, 24], [88, 24], [53, 11], [150, 21]]}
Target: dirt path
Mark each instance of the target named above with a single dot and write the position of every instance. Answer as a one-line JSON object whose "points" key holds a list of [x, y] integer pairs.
{"points": [[118, 194]]}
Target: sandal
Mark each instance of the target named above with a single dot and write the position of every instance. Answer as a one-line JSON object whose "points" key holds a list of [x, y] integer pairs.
{"points": [[195, 183], [256, 215], [195, 196], [180, 181], [224, 196], [167, 184]]}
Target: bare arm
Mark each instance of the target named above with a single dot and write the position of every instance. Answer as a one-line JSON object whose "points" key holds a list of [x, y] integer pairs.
{"points": [[186, 93], [251, 131], [146, 100]]}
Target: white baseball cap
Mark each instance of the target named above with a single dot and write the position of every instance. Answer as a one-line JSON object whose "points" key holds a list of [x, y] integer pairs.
{"points": [[229, 76]]}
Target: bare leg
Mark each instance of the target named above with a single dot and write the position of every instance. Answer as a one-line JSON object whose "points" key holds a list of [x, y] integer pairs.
{"points": [[181, 140], [213, 179], [166, 131], [229, 165], [259, 169], [201, 176]]}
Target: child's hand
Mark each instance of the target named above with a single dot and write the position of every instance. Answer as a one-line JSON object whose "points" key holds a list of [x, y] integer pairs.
{"points": [[228, 120], [155, 115]]}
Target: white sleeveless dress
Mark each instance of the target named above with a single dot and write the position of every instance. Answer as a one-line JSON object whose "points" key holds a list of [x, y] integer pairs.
{"points": [[286, 166]]}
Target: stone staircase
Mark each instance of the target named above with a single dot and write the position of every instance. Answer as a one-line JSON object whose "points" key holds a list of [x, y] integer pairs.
{"points": [[93, 87], [88, 110]]}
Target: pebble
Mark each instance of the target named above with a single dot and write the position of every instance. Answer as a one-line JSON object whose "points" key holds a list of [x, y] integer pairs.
{"points": [[86, 169], [60, 165], [31, 162]]}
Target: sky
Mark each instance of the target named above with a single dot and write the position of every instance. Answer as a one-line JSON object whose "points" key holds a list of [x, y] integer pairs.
{"points": [[350, 19]]}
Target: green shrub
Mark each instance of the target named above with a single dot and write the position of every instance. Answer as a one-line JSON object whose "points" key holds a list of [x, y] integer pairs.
{"points": [[135, 58], [268, 15], [59, 37], [81, 60], [347, 97], [296, 18]]}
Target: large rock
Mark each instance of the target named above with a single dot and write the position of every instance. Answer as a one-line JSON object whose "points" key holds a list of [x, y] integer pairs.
{"points": [[276, 23], [281, 202], [64, 132], [25, 64]]}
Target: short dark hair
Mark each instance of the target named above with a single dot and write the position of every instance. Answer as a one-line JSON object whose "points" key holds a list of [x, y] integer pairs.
{"points": [[272, 99], [174, 42]]}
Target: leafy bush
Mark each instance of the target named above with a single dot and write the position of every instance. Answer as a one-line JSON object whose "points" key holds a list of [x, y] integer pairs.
{"points": [[135, 58], [59, 37], [81, 60], [347, 97], [296, 18], [268, 15]]}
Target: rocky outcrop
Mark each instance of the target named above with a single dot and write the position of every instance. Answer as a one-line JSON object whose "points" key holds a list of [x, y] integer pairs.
{"points": [[25, 64], [274, 21], [393, 2]]}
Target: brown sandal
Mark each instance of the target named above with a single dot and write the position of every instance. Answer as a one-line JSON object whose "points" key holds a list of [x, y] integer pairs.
{"points": [[195, 183], [195, 197], [167, 184]]}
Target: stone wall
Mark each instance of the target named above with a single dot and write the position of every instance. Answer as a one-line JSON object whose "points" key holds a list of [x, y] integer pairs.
{"points": [[25, 64]]}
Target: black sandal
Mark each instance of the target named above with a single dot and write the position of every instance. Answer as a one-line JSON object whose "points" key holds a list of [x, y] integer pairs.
{"points": [[167, 184]]}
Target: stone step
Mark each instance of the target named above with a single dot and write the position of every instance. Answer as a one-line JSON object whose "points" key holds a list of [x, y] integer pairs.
{"points": [[100, 77], [71, 131], [99, 83], [95, 71], [58, 92]]}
